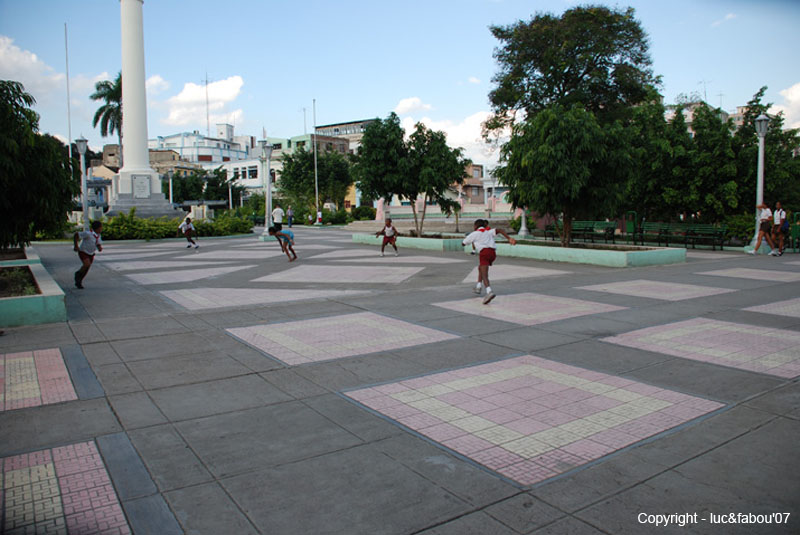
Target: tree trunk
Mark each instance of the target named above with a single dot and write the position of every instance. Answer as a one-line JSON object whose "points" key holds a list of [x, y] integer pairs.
{"points": [[424, 209], [566, 235], [457, 221], [414, 211]]}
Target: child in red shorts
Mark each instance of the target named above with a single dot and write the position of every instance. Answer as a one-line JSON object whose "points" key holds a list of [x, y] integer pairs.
{"points": [[483, 241], [389, 235]]}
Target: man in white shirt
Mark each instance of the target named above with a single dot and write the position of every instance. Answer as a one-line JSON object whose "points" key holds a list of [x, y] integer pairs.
{"points": [[764, 229], [483, 240], [277, 215]]}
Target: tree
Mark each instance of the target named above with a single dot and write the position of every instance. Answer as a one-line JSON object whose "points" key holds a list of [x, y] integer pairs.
{"points": [[297, 186], [593, 56], [217, 184], [36, 179], [564, 161], [422, 168], [188, 187], [109, 115]]}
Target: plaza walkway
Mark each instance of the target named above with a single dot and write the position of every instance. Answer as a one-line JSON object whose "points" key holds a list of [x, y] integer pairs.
{"points": [[228, 391]]}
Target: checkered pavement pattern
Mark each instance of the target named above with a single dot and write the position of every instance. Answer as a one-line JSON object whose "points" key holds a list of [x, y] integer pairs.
{"points": [[342, 274], [155, 264], [528, 308], [183, 275], [789, 308], [506, 272], [34, 378], [391, 259], [63, 490], [736, 345], [667, 291], [765, 275], [528, 418], [321, 339], [206, 298]]}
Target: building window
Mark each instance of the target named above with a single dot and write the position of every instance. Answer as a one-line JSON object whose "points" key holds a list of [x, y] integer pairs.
{"points": [[203, 157], [252, 171], [476, 172], [276, 146]]}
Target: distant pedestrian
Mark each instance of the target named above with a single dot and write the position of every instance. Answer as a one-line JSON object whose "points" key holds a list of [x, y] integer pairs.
{"points": [[187, 229], [277, 215], [389, 233], [286, 241], [483, 239], [90, 243], [780, 227], [289, 216], [764, 229]]}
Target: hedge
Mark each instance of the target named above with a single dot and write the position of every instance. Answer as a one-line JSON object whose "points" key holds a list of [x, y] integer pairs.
{"points": [[129, 227]]}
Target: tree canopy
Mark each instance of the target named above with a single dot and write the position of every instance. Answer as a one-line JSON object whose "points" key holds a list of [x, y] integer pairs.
{"points": [[297, 185], [109, 115], [36, 178]]}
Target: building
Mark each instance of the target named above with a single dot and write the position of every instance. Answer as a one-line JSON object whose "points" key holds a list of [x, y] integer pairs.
{"points": [[196, 148], [473, 191], [688, 113], [352, 131]]}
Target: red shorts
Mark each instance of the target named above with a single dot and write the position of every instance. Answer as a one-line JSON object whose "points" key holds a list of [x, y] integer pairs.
{"points": [[487, 256], [84, 256], [389, 239]]}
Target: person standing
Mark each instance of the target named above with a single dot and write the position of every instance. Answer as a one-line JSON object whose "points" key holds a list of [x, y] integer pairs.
{"points": [[764, 229], [277, 215], [780, 227], [289, 216], [389, 233], [89, 245], [483, 239], [187, 229]]}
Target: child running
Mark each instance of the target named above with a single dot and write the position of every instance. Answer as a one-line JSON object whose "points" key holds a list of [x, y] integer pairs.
{"points": [[90, 244], [187, 229], [389, 235], [483, 240], [286, 240]]}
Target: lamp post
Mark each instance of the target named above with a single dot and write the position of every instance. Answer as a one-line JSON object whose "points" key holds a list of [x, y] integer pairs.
{"points": [[266, 153], [523, 224], [170, 173], [762, 124], [82, 143]]}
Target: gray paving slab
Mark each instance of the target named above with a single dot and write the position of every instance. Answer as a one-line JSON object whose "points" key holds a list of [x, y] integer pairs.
{"points": [[602, 356], [471, 524], [266, 436], [128, 328], [366, 426], [86, 333], [154, 347], [100, 354], [136, 410], [185, 369], [390, 497], [125, 467], [294, 384], [151, 516], [528, 339], [568, 526], [207, 508], [523, 512], [117, 379], [784, 401], [27, 338], [351, 372], [84, 381], [169, 459], [215, 397]]}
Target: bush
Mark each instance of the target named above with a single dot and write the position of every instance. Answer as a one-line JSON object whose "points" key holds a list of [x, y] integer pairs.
{"points": [[740, 227], [363, 213], [129, 227], [516, 223], [339, 217]]}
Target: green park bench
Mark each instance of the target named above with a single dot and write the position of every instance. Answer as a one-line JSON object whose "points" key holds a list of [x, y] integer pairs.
{"points": [[708, 234]]}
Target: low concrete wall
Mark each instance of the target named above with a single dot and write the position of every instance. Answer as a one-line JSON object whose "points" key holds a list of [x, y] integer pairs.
{"points": [[647, 256], [47, 307], [31, 257]]}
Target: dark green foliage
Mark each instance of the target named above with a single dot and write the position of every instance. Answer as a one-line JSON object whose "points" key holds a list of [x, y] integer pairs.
{"points": [[188, 188], [36, 178], [363, 213], [217, 187], [337, 217], [129, 227], [380, 162], [741, 227], [297, 187], [17, 281], [109, 115]]}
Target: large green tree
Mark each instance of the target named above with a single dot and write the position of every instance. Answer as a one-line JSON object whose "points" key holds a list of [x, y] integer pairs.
{"points": [[563, 161], [593, 56], [188, 187], [109, 115], [422, 168], [297, 185], [218, 186], [36, 178]]}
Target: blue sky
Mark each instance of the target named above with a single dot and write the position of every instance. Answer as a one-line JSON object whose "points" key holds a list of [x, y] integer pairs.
{"points": [[430, 61]]}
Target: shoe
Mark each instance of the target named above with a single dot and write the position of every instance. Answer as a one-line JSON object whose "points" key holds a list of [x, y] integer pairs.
{"points": [[189, 246], [382, 254], [773, 253], [476, 290], [780, 253], [488, 298], [396, 254], [751, 251], [78, 285], [196, 246]]}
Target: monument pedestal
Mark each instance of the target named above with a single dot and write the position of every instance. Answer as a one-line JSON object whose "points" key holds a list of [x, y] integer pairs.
{"points": [[141, 190]]}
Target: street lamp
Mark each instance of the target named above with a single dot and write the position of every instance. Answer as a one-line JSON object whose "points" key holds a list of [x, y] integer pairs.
{"points": [[762, 124], [266, 153], [170, 174], [82, 144]]}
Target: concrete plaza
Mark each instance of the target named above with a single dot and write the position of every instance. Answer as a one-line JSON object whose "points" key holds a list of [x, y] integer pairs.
{"points": [[228, 391]]}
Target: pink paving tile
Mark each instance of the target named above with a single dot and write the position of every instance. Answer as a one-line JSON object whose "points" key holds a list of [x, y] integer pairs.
{"points": [[316, 340], [579, 415], [337, 274], [789, 308], [528, 308], [208, 298], [183, 275], [736, 345], [507, 272], [64, 490], [34, 378], [668, 291]]}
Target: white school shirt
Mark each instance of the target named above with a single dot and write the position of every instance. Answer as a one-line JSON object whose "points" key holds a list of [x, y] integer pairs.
{"points": [[388, 231], [89, 241], [277, 215], [185, 226], [780, 215], [482, 238], [766, 215]]}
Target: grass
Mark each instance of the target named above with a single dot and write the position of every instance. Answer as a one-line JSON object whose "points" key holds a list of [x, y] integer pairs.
{"points": [[16, 282]]}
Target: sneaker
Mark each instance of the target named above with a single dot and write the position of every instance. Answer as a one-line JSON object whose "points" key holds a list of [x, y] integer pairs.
{"points": [[78, 285], [382, 254], [751, 251], [488, 298], [196, 246], [396, 254], [773, 253], [476, 290], [189, 246], [780, 253]]}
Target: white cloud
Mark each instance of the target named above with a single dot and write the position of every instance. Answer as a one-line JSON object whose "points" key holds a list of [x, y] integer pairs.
{"points": [[156, 84], [474, 80], [189, 106], [411, 104], [726, 18], [790, 106], [39, 79]]}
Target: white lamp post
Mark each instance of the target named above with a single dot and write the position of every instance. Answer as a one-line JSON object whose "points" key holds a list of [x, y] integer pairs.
{"points": [[266, 153], [82, 144], [170, 173], [762, 124]]}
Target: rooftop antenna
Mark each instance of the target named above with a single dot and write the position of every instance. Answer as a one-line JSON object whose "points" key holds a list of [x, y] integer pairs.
{"points": [[208, 122], [69, 114], [705, 93], [720, 95]]}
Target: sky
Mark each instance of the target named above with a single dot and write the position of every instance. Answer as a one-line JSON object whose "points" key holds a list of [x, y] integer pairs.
{"points": [[266, 61]]}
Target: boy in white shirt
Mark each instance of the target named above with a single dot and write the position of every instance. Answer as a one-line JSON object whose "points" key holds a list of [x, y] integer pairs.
{"points": [[482, 239], [90, 244], [187, 229], [764, 229], [389, 235]]}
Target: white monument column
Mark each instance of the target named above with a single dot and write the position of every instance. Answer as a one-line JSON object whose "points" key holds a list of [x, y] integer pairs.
{"points": [[139, 185]]}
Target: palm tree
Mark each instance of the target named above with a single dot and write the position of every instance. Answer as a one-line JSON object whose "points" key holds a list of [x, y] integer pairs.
{"points": [[109, 115]]}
